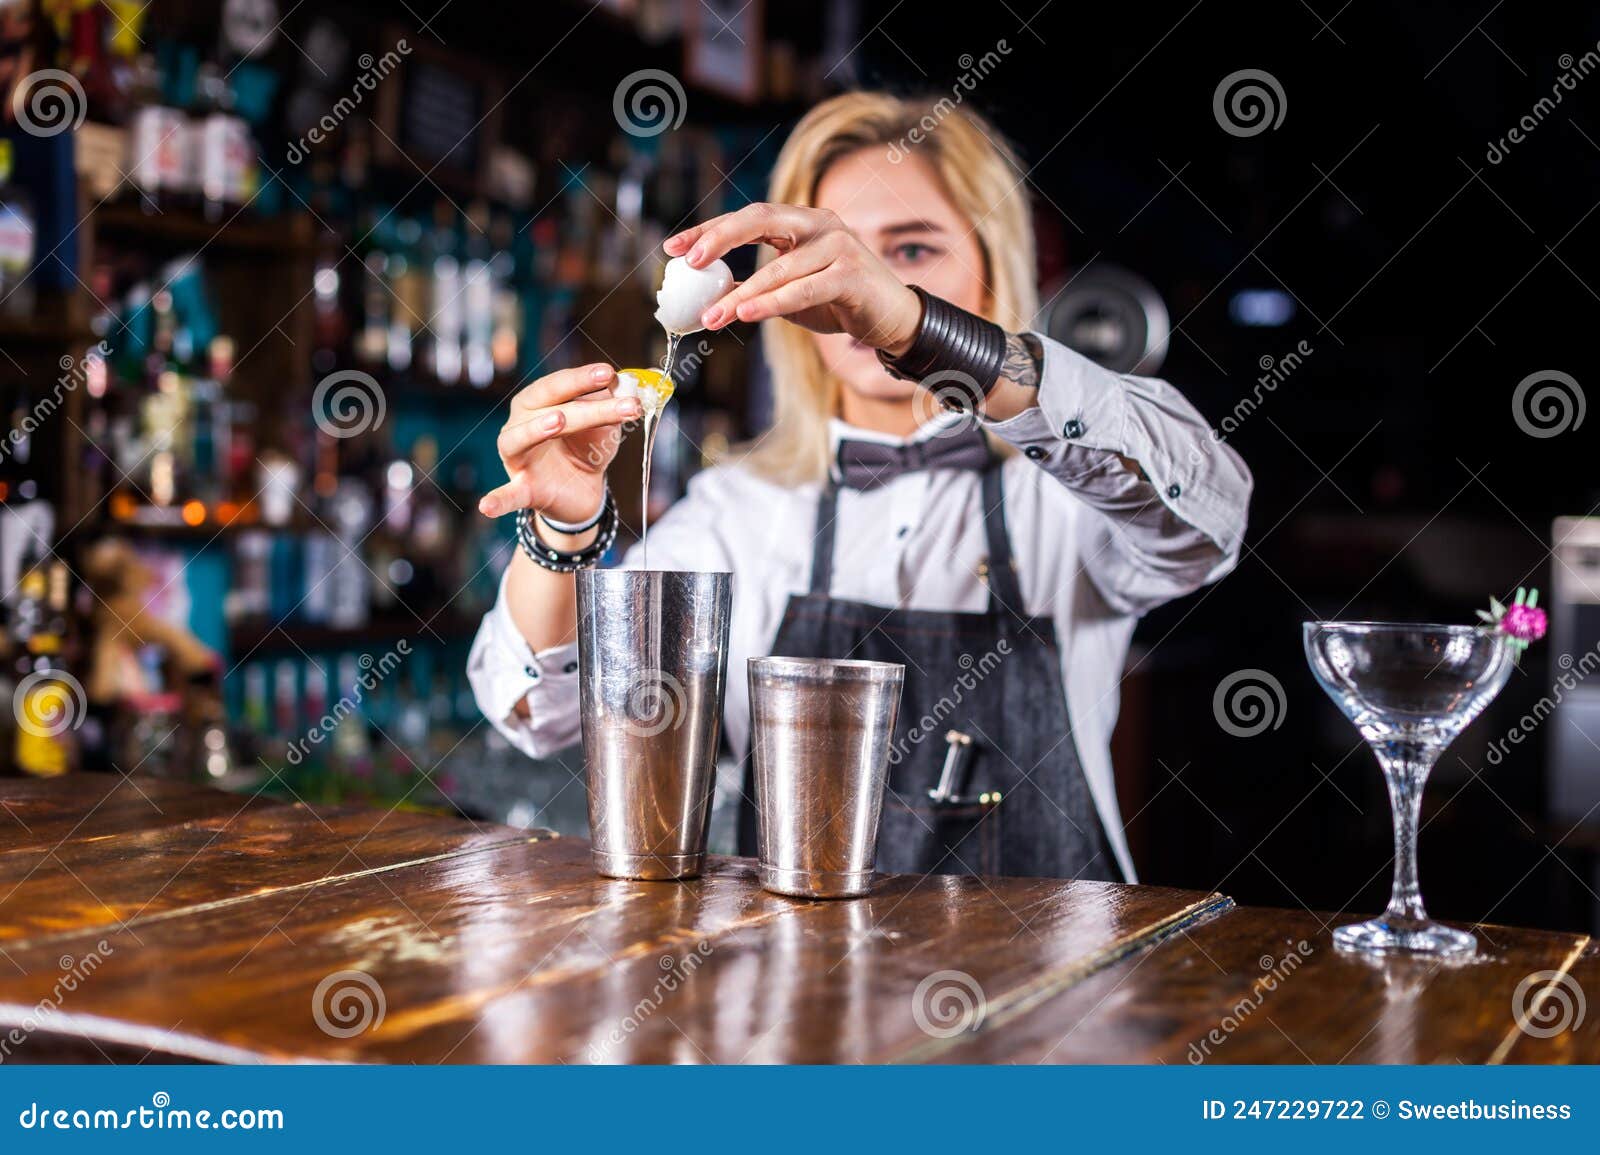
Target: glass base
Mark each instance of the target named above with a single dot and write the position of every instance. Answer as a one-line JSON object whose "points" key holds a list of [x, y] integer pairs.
{"points": [[1378, 937]]}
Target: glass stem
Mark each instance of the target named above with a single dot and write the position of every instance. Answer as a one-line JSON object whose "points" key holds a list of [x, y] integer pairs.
{"points": [[1406, 766]]}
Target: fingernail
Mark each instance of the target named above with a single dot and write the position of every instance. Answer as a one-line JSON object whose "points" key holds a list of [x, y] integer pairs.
{"points": [[486, 507], [697, 254], [600, 372], [552, 423], [630, 407], [712, 316]]}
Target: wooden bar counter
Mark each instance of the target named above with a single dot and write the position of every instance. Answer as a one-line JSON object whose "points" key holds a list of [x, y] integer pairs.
{"points": [[143, 921]]}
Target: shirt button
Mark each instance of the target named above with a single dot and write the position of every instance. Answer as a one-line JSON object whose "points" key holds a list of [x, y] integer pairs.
{"points": [[902, 531], [1173, 491], [1033, 453], [1073, 428], [572, 667]]}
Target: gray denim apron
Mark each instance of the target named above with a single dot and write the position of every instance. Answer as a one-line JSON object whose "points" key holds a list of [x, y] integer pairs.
{"points": [[1020, 804]]}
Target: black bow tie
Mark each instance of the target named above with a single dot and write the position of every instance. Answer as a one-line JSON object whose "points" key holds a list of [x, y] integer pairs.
{"points": [[869, 464]]}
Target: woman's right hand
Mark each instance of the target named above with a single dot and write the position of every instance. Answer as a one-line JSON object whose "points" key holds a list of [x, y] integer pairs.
{"points": [[562, 433]]}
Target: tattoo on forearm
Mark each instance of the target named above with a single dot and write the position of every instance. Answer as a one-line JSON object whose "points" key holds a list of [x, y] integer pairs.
{"points": [[1024, 357]]}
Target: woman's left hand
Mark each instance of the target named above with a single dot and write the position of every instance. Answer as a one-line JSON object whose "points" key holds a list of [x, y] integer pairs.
{"points": [[823, 277]]}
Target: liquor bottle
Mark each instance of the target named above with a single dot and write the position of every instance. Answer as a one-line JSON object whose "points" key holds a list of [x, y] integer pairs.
{"points": [[16, 240], [408, 286], [372, 338], [447, 312], [478, 298], [505, 340], [50, 701], [222, 148], [156, 139]]}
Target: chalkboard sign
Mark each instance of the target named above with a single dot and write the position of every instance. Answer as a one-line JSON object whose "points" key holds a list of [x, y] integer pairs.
{"points": [[439, 111]]}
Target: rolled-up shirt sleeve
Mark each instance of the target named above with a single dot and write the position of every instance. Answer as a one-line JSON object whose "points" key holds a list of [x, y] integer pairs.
{"points": [[1152, 537], [504, 671]]}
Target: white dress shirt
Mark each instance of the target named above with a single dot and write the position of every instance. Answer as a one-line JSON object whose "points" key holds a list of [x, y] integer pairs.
{"points": [[1096, 545]]}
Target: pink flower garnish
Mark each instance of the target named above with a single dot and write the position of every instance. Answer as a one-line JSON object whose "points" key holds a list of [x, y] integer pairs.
{"points": [[1522, 622], [1525, 623]]}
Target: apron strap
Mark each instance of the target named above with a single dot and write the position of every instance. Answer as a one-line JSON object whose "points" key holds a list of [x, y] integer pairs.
{"points": [[1005, 592], [822, 539]]}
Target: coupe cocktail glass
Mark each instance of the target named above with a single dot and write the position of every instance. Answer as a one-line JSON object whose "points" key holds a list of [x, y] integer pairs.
{"points": [[1410, 689]]}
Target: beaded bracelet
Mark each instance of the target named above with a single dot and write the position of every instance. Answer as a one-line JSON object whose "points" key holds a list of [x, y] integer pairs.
{"points": [[569, 561]]}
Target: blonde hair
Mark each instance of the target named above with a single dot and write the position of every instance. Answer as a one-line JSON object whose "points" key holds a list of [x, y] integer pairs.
{"points": [[983, 179]]}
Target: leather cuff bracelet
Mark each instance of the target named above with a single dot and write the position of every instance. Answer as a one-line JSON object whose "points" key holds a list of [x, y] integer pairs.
{"points": [[569, 560], [956, 354]]}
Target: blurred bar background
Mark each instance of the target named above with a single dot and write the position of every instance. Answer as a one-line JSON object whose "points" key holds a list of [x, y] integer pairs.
{"points": [[271, 277]]}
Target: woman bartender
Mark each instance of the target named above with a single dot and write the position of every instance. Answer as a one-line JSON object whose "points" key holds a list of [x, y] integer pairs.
{"points": [[1004, 561]]}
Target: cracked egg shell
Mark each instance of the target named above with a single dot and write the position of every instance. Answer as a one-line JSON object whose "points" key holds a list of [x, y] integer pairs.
{"points": [[686, 292]]}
